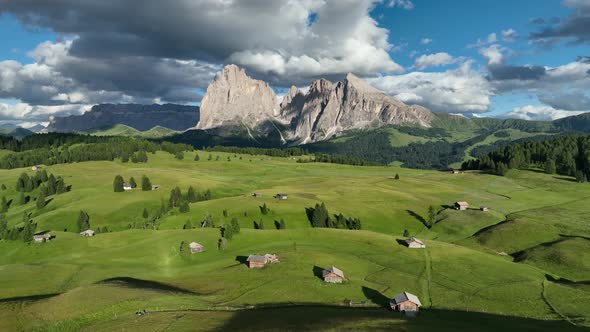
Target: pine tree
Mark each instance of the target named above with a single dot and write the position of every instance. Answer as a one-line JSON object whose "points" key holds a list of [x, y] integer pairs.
{"points": [[261, 224], [187, 225], [406, 233], [60, 186], [185, 250], [179, 155], [83, 221], [264, 209], [580, 176], [208, 221], [396, 176], [28, 228], [175, 198], [210, 157], [41, 200], [190, 195], [184, 207], [146, 185], [51, 185], [282, 224], [320, 216], [3, 186], [235, 225], [227, 232], [145, 213], [225, 213], [118, 184], [197, 157], [132, 182]]}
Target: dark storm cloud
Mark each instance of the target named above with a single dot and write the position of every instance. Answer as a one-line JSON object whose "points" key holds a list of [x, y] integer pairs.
{"points": [[506, 72], [574, 28], [568, 101]]}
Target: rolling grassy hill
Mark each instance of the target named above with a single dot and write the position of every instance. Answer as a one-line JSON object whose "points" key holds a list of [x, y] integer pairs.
{"points": [[478, 266]]}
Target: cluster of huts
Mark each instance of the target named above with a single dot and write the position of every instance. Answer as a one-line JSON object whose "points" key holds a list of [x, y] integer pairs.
{"points": [[260, 261], [280, 196], [127, 186]]}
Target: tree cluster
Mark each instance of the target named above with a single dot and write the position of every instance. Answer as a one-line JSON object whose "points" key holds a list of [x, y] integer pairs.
{"points": [[320, 217]]}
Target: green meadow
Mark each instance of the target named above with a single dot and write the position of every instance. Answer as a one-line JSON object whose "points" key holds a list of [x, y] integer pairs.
{"points": [[523, 265]]}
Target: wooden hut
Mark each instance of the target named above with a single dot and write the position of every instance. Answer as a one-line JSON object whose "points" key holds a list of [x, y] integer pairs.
{"points": [[196, 247], [257, 195], [42, 236], [333, 275], [127, 186], [484, 208], [406, 303], [87, 232], [414, 243], [461, 206], [281, 196], [256, 261]]}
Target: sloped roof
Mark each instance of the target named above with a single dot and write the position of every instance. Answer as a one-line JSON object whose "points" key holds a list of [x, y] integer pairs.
{"points": [[333, 269], [195, 245], [413, 239], [256, 259], [405, 296], [462, 203]]}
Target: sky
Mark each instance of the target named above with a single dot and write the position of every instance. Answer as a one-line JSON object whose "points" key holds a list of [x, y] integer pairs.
{"points": [[488, 58]]}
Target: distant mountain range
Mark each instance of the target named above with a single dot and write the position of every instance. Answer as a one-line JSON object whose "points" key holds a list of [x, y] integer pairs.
{"points": [[140, 117], [234, 99]]}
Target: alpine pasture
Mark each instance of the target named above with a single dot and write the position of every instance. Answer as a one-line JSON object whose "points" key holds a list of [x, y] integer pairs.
{"points": [[521, 265]]}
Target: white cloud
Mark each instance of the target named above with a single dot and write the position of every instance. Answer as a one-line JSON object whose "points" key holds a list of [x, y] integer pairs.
{"points": [[425, 41], [493, 54], [540, 113], [460, 90], [492, 38], [405, 4], [434, 60], [509, 35]]}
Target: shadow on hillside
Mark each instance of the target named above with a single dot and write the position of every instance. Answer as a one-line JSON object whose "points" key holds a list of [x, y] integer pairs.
{"points": [[417, 217], [376, 297], [242, 260], [401, 242], [313, 317], [565, 178], [318, 272], [565, 281], [30, 298], [144, 284]]}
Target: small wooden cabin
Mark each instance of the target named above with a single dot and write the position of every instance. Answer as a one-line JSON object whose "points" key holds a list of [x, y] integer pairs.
{"points": [[127, 186], [484, 208], [455, 171], [414, 243], [406, 303], [87, 232], [256, 261], [36, 168], [281, 196], [461, 206], [42, 236], [333, 275], [155, 187], [257, 195], [196, 247]]}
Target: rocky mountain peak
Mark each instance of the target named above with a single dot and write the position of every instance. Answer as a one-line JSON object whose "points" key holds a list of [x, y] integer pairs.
{"points": [[233, 98]]}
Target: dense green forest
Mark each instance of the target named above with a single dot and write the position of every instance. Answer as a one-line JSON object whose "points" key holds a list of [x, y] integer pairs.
{"points": [[50, 149], [565, 155]]}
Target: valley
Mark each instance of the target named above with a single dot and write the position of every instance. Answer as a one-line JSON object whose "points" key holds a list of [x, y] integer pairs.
{"points": [[463, 277]]}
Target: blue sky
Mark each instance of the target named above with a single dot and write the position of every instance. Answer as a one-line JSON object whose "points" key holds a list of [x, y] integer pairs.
{"points": [[476, 58]]}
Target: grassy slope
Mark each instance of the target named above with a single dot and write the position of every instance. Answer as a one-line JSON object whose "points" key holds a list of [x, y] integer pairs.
{"points": [[465, 277]]}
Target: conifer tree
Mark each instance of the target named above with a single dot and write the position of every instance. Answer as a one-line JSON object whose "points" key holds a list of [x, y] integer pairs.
{"points": [[235, 225], [118, 184], [197, 157], [146, 185], [184, 207], [83, 221], [145, 214], [41, 200], [132, 182], [3, 205], [190, 195]]}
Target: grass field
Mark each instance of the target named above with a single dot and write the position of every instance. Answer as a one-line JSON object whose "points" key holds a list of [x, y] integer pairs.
{"points": [[466, 278]]}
